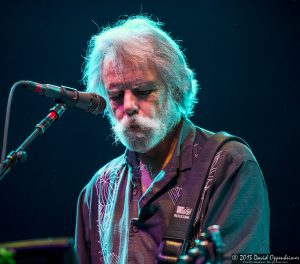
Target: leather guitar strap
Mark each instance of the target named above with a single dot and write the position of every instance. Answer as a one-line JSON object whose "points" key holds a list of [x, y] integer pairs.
{"points": [[176, 239]]}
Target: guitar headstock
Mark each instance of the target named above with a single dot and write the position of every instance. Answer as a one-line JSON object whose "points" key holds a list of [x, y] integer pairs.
{"points": [[207, 249]]}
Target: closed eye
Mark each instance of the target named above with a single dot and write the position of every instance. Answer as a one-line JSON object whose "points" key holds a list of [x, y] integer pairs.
{"points": [[143, 93], [116, 96]]}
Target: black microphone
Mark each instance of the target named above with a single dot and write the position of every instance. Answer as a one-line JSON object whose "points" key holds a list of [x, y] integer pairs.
{"points": [[89, 102]]}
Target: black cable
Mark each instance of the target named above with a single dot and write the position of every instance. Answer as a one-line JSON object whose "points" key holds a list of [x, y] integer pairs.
{"points": [[6, 124]]}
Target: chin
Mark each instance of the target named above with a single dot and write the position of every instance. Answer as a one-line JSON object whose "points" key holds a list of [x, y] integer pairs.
{"points": [[140, 146], [139, 143]]}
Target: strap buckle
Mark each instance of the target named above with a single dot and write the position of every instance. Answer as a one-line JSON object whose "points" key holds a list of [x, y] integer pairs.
{"points": [[170, 249]]}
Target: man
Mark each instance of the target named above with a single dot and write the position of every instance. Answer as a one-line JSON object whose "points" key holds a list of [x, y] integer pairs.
{"points": [[126, 208]]}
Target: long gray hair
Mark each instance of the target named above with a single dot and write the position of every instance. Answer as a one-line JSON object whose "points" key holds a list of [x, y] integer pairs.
{"points": [[140, 40]]}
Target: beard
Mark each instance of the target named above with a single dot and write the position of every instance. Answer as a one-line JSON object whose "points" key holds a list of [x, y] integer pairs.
{"points": [[141, 134]]}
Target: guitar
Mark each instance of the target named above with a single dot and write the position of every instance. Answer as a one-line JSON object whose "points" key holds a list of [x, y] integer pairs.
{"points": [[207, 249]]}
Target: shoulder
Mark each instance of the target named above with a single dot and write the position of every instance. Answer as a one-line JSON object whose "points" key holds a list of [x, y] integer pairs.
{"points": [[238, 152], [235, 150], [109, 169], [107, 174]]}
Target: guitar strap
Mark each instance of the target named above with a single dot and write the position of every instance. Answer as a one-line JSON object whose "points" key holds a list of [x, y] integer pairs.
{"points": [[177, 237]]}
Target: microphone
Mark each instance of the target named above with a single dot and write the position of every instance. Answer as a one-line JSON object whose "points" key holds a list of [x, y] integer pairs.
{"points": [[89, 102]]}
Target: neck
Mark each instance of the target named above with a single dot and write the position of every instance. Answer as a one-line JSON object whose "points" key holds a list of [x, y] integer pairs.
{"points": [[158, 157]]}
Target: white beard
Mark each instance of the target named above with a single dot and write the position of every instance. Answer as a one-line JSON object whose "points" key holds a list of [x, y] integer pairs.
{"points": [[141, 134]]}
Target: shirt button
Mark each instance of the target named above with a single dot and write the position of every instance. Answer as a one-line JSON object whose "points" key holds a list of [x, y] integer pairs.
{"points": [[133, 225], [135, 191], [135, 229]]}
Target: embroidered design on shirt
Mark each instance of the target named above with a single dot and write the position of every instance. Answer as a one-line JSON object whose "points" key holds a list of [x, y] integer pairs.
{"points": [[183, 212], [106, 186], [210, 177], [174, 194], [114, 258]]}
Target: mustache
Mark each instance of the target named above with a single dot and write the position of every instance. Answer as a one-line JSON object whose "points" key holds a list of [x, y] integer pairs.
{"points": [[141, 122]]}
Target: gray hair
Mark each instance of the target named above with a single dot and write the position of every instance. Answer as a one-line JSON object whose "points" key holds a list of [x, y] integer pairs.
{"points": [[140, 40]]}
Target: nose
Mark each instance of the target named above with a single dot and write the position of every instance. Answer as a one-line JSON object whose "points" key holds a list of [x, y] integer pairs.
{"points": [[130, 103]]}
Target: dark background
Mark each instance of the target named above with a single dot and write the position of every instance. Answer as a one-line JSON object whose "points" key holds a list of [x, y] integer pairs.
{"points": [[245, 54]]}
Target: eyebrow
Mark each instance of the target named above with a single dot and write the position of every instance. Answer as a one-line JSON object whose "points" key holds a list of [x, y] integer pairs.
{"points": [[124, 85], [119, 85]]}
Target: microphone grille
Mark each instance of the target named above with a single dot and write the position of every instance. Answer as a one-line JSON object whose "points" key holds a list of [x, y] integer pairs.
{"points": [[97, 104]]}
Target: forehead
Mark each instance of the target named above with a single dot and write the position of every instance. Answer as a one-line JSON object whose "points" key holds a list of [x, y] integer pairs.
{"points": [[127, 73]]}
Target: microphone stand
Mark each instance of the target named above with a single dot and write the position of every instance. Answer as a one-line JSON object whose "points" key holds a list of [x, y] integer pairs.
{"points": [[20, 154]]}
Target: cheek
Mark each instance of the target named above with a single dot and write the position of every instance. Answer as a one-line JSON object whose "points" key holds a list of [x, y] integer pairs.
{"points": [[116, 110], [151, 108], [160, 102]]}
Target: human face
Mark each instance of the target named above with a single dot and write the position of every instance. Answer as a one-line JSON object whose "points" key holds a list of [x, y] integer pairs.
{"points": [[140, 111]]}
